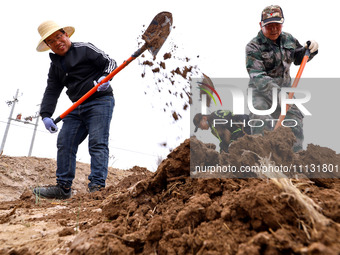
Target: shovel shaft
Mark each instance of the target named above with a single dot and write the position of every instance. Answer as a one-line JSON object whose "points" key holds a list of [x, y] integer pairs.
{"points": [[295, 83], [154, 37], [106, 79]]}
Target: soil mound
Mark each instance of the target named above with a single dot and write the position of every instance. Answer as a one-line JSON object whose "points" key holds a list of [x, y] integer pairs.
{"points": [[171, 213], [168, 212], [24, 173], [319, 163]]}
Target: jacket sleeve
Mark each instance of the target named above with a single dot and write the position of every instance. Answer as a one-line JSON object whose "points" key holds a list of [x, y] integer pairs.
{"points": [[300, 53], [101, 59], [51, 95]]}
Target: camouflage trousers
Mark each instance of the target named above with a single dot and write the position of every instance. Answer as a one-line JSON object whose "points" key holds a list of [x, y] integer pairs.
{"points": [[261, 102]]}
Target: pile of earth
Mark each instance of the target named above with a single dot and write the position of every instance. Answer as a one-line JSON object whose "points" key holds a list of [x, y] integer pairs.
{"points": [[18, 174], [168, 212]]}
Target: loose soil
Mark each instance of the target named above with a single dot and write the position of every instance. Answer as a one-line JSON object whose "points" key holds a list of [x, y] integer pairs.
{"points": [[174, 80], [171, 81], [168, 212]]}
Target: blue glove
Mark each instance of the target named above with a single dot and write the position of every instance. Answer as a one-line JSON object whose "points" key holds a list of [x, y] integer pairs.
{"points": [[102, 87], [49, 125]]}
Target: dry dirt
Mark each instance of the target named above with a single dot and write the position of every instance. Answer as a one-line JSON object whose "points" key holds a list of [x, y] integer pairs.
{"points": [[168, 212], [172, 84]]}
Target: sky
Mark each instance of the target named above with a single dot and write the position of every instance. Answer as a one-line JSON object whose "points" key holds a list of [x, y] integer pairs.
{"points": [[213, 34]]}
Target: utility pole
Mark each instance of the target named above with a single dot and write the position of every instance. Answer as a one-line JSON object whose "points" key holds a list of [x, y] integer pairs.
{"points": [[33, 137], [8, 123], [10, 118]]}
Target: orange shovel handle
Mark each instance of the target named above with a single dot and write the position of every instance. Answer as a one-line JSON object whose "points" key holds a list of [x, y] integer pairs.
{"points": [[295, 83], [106, 79]]}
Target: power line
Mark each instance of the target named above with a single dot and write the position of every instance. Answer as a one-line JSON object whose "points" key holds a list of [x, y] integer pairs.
{"points": [[46, 132], [27, 127], [143, 153], [9, 122], [112, 147], [10, 118]]}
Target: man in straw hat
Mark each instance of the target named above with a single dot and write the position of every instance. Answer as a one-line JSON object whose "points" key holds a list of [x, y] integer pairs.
{"points": [[268, 59], [76, 66]]}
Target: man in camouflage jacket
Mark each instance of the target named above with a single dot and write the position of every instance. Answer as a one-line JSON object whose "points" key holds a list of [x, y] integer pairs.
{"points": [[268, 59]]}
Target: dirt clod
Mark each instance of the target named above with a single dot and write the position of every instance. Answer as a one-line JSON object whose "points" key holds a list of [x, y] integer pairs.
{"points": [[169, 211], [167, 56]]}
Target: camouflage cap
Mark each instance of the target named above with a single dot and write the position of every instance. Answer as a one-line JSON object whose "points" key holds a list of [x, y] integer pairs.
{"points": [[272, 14]]}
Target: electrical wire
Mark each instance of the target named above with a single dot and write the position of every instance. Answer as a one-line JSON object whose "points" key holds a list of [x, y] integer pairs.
{"points": [[143, 153], [27, 127], [112, 147]]}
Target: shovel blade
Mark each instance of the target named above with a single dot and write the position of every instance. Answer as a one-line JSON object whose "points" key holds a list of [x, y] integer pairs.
{"points": [[157, 32]]}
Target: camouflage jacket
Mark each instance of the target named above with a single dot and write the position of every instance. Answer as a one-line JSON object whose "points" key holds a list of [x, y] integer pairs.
{"points": [[268, 63]]}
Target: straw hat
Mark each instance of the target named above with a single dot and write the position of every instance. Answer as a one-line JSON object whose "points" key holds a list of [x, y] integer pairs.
{"points": [[46, 29]]}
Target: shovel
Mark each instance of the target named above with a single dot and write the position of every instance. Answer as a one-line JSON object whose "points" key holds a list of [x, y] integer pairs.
{"points": [[154, 37], [295, 83]]}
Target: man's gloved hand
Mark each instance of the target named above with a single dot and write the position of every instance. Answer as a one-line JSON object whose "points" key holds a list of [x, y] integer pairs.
{"points": [[312, 46], [49, 125], [102, 87]]}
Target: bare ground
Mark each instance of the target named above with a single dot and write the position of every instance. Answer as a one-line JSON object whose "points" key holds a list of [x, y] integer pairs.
{"points": [[168, 212]]}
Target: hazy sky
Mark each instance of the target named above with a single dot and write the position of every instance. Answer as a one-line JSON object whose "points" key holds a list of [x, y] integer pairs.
{"points": [[216, 31]]}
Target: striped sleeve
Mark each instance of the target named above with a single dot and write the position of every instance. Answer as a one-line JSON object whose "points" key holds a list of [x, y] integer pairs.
{"points": [[99, 56]]}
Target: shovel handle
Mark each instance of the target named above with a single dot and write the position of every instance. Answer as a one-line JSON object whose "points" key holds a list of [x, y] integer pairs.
{"points": [[106, 79], [295, 83]]}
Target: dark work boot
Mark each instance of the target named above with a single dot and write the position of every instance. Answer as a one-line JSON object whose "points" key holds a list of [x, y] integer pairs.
{"points": [[56, 192], [95, 188]]}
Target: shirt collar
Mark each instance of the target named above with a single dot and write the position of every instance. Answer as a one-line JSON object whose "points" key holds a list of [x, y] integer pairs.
{"points": [[55, 57], [266, 40]]}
